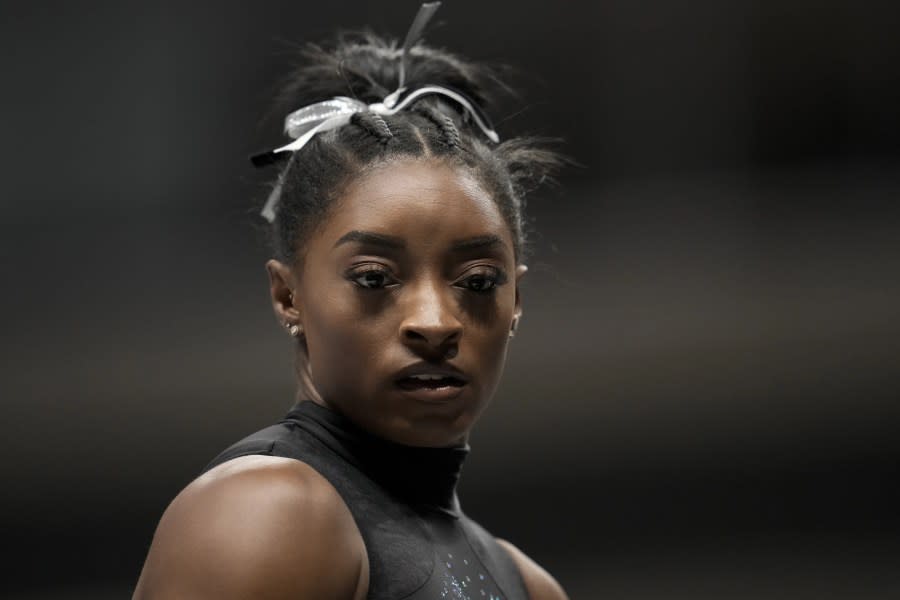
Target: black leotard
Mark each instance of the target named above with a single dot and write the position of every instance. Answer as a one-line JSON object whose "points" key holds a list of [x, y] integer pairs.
{"points": [[420, 544]]}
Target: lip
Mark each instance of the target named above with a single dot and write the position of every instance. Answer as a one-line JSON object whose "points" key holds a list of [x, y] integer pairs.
{"points": [[426, 368], [432, 395]]}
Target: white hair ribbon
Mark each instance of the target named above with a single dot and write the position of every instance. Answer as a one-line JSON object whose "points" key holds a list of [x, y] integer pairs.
{"points": [[426, 11], [303, 124]]}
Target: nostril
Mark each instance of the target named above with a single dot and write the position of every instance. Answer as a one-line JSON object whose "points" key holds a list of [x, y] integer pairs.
{"points": [[412, 334], [437, 338]]}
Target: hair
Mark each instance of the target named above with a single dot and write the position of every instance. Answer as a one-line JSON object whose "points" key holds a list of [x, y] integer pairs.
{"points": [[367, 67]]}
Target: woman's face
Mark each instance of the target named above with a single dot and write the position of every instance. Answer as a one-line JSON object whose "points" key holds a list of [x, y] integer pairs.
{"points": [[406, 295]]}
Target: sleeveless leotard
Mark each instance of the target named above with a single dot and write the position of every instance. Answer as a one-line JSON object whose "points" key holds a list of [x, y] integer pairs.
{"points": [[420, 544]]}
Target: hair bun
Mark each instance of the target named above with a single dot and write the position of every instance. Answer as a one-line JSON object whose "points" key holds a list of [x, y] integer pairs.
{"points": [[365, 66]]}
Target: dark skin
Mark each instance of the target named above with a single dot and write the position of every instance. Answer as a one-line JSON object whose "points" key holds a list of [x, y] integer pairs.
{"points": [[414, 265]]}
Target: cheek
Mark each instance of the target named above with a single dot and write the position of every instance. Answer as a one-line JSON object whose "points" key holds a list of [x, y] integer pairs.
{"points": [[489, 338], [490, 356], [494, 348], [339, 344]]}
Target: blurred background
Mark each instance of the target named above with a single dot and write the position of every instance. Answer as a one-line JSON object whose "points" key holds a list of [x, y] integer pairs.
{"points": [[702, 401]]}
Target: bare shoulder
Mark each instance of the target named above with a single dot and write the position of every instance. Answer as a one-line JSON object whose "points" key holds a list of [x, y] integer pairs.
{"points": [[256, 527], [539, 583]]}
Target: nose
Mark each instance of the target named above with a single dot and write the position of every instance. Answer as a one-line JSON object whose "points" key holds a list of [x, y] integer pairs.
{"points": [[430, 323]]}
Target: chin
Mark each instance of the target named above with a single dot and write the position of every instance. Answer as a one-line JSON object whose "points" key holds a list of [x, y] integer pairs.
{"points": [[432, 431]]}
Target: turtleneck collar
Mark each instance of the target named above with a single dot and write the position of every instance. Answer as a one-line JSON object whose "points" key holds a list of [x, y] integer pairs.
{"points": [[424, 477]]}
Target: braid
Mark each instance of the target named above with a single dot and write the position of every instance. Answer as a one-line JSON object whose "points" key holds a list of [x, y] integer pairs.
{"points": [[374, 125], [449, 133]]}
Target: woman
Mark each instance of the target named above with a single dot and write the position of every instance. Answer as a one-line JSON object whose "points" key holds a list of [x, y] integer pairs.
{"points": [[397, 230]]}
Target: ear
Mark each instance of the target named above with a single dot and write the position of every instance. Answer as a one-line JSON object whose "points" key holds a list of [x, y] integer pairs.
{"points": [[517, 311], [282, 286]]}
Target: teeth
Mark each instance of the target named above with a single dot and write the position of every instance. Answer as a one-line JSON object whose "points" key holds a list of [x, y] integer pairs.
{"points": [[428, 377]]}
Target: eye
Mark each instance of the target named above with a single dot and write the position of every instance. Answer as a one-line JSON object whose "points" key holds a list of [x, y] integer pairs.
{"points": [[479, 283], [371, 278], [483, 280]]}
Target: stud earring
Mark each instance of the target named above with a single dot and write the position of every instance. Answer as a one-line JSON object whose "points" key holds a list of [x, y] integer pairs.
{"points": [[293, 329], [513, 326]]}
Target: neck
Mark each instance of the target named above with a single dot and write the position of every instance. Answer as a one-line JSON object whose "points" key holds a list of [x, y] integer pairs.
{"points": [[425, 477]]}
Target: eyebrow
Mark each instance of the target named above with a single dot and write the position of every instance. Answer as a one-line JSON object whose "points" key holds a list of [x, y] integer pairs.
{"points": [[481, 242], [370, 238]]}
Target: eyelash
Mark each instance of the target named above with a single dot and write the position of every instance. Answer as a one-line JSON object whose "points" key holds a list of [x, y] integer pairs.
{"points": [[492, 276], [356, 276]]}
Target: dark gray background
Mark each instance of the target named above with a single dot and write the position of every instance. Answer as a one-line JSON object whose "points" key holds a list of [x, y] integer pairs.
{"points": [[703, 398]]}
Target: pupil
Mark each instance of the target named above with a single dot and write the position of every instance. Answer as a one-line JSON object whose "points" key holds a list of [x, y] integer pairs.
{"points": [[373, 279]]}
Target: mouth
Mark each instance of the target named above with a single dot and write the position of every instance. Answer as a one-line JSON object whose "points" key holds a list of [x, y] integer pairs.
{"points": [[431, 383]]}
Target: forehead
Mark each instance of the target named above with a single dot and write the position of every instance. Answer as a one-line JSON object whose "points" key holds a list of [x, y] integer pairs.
{"points": [[421, 200]]}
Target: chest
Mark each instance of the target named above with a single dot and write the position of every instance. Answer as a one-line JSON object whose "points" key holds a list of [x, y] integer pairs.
{"points": [[448, 567]]}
